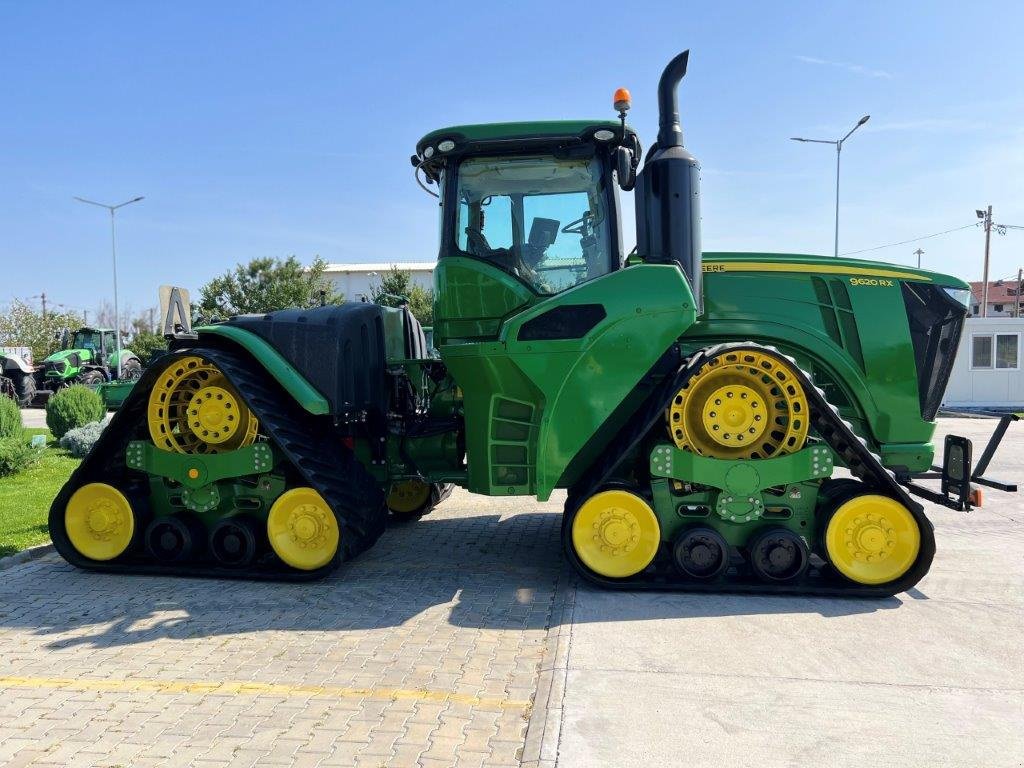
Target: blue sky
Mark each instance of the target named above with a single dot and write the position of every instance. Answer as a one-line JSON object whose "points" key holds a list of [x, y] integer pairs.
{"points": [[274, 129]]}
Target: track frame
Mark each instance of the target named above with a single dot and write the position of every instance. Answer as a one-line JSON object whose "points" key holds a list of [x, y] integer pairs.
{"points": [[307, 442], [821, 579]]}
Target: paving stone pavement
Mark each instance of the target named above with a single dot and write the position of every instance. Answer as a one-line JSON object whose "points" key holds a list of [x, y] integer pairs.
{"points": [[425, 651]]}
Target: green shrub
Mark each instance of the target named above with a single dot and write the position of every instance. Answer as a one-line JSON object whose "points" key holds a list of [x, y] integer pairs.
{"points": [[80, 440], [73, 407], [16, 454], [10, 417]]}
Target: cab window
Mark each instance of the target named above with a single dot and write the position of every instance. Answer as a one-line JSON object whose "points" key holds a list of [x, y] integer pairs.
{"points": [[543, 219]]}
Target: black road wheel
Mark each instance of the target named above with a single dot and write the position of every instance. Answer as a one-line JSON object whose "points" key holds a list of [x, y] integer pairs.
{"points": [[91, 378], [24, 387], [701, 553], [235, 541], [175, 538], [778, 555], [131, 370]]}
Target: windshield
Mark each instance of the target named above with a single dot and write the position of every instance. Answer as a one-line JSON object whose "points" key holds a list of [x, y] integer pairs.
{"points": [[543, 219], [86, 340]]}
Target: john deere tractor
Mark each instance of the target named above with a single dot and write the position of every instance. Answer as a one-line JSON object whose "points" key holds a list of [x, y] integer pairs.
{"points": [[89, 357], [741, 421]]}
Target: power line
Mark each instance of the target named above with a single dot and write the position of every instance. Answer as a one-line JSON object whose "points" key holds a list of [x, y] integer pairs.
{"points": [[911, 240]]}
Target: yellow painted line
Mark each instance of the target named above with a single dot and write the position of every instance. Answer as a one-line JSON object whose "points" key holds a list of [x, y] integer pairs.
{"points": [[249, 688], [828, 269]]}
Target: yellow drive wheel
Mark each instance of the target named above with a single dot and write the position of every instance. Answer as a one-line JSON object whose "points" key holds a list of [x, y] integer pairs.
{"points": [[303, 530], [616, 534], [193, 409], [740, 405], [408, 497], [99, 521], [872, 539]]}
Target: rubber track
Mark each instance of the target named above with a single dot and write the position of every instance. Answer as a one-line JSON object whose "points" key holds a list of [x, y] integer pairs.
{"points": [[309, 442], [838, 434]]}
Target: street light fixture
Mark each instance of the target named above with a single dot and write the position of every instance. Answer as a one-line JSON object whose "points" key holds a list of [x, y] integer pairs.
{"points": [[113, 254], [839, 148]]}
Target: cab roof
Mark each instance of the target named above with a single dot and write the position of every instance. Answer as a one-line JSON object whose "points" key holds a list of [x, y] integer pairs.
{"points": [[485, 135]]}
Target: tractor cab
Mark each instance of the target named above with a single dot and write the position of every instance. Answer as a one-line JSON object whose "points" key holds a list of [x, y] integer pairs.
{"points": [[99, 342], [528, 210]]}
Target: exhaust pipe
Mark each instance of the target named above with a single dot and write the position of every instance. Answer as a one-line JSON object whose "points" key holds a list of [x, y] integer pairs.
{"points": [[670, 133], [668, 190]]}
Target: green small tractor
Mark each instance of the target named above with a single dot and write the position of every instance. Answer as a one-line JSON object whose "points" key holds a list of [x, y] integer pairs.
{"points": [[89, 357], [720, 421]]}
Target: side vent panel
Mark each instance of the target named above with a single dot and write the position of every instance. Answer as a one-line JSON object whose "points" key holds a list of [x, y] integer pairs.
{"points": [[512, 445], [837, 317]]}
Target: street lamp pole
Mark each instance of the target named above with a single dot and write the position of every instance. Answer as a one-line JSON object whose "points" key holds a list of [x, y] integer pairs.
{"points": [[838, 144], [113, 256]]}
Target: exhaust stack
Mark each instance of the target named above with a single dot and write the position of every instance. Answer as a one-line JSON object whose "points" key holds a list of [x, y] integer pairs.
{"points": [[668, 190]]}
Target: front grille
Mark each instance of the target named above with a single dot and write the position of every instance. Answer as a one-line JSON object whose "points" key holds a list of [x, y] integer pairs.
{"points": [[936, 321]]}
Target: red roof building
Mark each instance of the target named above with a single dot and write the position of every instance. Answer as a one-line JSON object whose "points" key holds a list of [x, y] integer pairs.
{"points": [[1002, 298]]}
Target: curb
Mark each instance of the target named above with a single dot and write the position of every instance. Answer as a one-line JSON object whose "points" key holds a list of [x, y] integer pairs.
{"points": [[32, 553], [544, 729]]}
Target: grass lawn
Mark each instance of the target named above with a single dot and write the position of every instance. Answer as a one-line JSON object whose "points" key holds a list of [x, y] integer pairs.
{"points": [[25, 497]]}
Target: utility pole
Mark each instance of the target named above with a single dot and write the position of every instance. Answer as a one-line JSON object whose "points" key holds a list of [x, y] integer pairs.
{"points": [[919, 253], [1016, 303], [42, 297], [985, 216]]}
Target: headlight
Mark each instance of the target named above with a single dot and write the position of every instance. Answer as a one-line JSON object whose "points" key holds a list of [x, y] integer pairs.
{"points": [[960, 296]]}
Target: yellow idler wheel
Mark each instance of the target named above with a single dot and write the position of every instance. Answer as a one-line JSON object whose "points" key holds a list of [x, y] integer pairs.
{"points": [[99, 521], [303, 530], [616, 534], [408, 497], [193, 409], [872, 539], [740, 405]]}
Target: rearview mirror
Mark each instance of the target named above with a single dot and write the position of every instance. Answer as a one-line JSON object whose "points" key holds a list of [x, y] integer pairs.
{"points": [[624, 168]]}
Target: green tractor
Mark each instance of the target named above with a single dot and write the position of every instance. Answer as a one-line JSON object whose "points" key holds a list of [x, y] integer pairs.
{"points": [[89, 357], [696, 406]]}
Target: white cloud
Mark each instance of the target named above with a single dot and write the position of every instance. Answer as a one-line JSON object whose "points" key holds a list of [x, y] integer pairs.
{"points": [[857, 69]]}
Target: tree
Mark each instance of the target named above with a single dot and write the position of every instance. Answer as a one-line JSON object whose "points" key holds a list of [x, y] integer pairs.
{"points": [[397, 288], [145, 343], [23, 326], [264, 285], [132, 320]]}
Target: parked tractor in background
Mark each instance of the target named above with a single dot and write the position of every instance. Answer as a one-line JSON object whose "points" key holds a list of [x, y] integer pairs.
{"points": [[694, 405], [18, 374], [89, 357]]}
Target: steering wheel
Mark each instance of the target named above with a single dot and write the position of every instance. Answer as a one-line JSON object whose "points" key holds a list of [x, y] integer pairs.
{"points": [[579, 226]]}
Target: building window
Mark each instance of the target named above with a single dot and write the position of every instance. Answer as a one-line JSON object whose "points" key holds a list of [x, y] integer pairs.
{"points": [[981, 352], [1006, 350], [998, 350], [997, 308]]}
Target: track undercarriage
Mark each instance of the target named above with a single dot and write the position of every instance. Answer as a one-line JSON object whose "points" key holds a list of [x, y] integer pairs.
{"points": [[211, 469], [761, 517]]}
